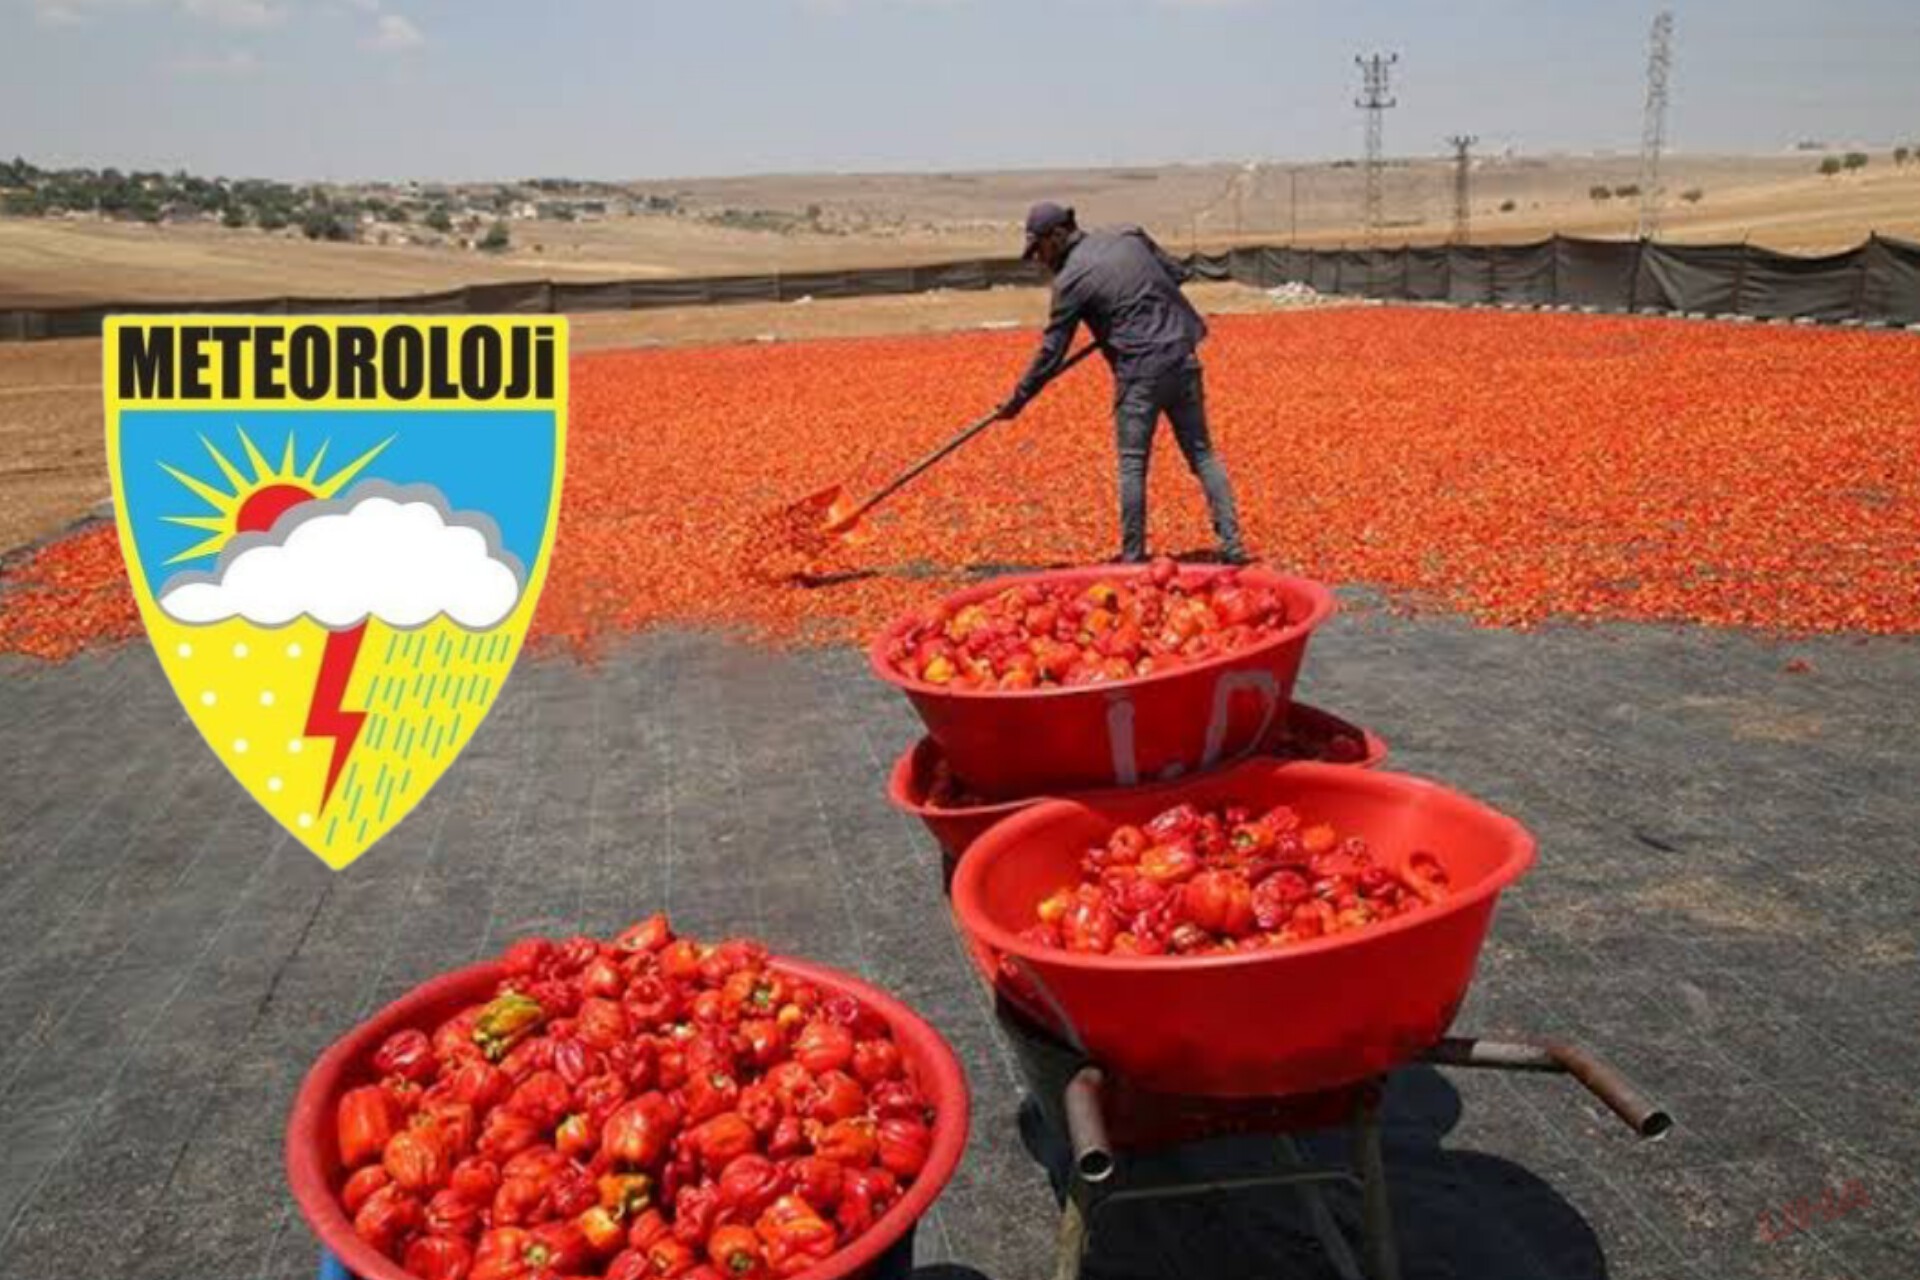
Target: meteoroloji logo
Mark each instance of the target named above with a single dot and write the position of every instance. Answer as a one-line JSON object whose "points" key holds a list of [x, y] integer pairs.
{"points": [[337, 635]]}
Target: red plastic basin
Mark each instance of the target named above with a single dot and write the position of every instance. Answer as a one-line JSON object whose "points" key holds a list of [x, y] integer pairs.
{"points": [[1309, 1017], [958, 826], [1014, 745], [312, 1148]]}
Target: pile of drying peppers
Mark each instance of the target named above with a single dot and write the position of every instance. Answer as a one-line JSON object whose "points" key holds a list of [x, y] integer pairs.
{"points": [[1048, 635], [1193, 883], [638, 1109]]}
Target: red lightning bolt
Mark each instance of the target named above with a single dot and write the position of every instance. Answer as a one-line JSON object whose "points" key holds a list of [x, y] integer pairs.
{"points": [[326, 718]]}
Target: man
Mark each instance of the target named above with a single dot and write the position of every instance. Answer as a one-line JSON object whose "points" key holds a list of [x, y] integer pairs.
{"points": [[1127, 291]]}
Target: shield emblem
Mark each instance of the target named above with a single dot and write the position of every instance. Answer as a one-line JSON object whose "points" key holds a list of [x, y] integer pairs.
{"points": [[337, 563]]}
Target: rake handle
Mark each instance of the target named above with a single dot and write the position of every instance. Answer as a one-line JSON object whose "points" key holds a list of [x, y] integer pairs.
{"points": [[969, 432]]}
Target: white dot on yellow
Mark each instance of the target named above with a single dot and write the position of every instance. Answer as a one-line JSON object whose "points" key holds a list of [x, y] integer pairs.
{"points": [[296, 746], [306, 819], [293, 651], [240, 745], [266, 697], [185, 650], [274, 784], [207, 699], [240, 651]]}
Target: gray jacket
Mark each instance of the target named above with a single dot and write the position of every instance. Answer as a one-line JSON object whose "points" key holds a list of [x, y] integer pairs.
{"points": [[1126, 289]]}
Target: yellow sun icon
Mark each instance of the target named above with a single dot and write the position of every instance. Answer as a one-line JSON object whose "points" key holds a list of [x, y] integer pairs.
{"points": [[253, 503]]}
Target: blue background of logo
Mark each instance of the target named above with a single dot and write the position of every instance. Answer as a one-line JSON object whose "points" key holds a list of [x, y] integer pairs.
{"points": [[498, 462]]}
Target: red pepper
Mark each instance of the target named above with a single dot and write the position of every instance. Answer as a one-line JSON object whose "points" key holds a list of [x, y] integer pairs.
{"points": [[737, 1252], [450, 1213], [481, 1085], [669, 1257], [387, 1218], [638, 1133], [749, 1184], [439, 1258], [1166, 864], [696, 1210], [1219, 902], [600, 1097], [721, 1139], [903, 1146], [476, 1178], [575, 1138], [816, 1180], [795, 1236], [526, 956], [837, 1096], [865, 1195], [365, 1120], [823, 1046], [407, 1054], [709, 1092], [761, 1106], [648, 1226], [602, 1229], [850, 1143], [648, 936], [542, 1097], [603, 1023], [504, 1134], [361, 1186], [519, 1201], [630, 1264], [876, 1060], [571, 1191]]}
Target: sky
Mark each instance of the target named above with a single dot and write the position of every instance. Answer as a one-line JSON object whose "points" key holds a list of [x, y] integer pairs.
{"points": [[343, 90]]}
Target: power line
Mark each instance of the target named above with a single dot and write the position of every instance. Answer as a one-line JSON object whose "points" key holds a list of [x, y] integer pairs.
{"points": [[1462, 145], [1653, 136], [1376, 97]]}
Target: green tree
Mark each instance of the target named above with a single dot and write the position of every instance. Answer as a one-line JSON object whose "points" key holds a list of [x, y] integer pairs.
{"points": [[1508, 206], [1855, 160], [321, 223], [440, 219], [1693, 195], [273, 217], [1599, 191], [1830, 166], [1627, 192], [235, 217], [1901, 154], [497, 238]]}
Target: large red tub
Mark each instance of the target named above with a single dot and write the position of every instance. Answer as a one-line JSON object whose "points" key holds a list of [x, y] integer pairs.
{"points": [[956, 826], [1312, 1016], [313, 1167], [1010, 745]]}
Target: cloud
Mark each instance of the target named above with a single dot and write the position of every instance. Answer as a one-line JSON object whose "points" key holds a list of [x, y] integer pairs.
{"points": [[393, 33], [396, 554], [249, 14], [235, 13], [234, 62], [77, 13]]}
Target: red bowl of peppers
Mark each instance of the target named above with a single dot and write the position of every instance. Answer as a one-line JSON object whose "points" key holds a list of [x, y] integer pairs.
{"points": [[316, 1168], [1242, 635]]}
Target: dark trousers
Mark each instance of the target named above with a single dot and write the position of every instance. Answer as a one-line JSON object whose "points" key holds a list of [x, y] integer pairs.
{"points": [[1137, 407]]}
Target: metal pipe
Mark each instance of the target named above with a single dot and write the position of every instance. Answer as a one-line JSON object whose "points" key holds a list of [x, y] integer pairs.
{"points": [[1621, 1096], [1087, 1127]]}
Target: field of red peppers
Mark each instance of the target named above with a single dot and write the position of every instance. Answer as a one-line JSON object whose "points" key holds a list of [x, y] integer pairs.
{"points": [[1519, 468]]}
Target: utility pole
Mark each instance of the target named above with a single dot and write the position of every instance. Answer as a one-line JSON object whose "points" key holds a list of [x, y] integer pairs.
{"points": [[1375, 98], [1462, 145], [1293, 205], [1653, 136]]}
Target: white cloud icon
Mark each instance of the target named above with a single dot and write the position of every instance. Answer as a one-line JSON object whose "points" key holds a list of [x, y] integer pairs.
{"points": [[395, 554]]}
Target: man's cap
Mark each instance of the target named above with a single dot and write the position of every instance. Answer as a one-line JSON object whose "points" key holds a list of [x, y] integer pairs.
{"points": [[1042, 218]]}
